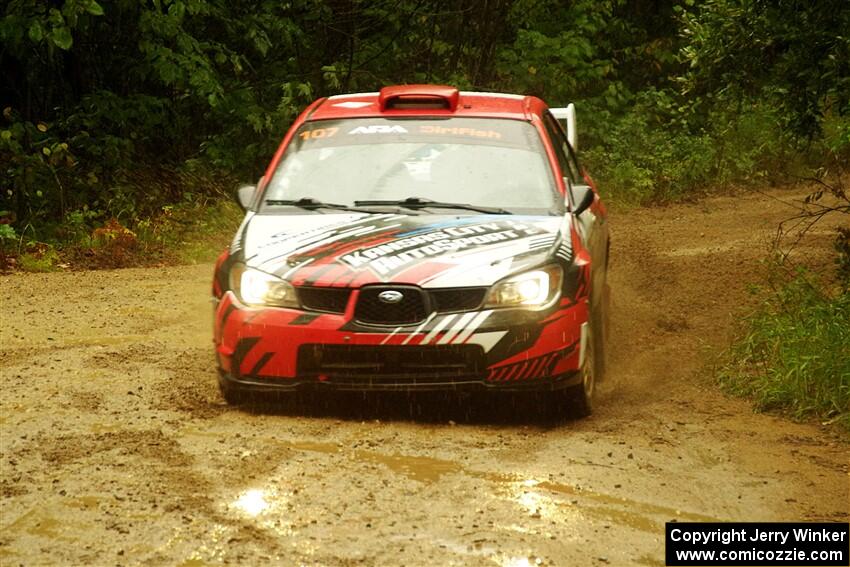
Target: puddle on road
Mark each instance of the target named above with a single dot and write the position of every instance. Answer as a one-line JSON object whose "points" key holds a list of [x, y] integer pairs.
{"points": [[531, 493], [98, 428], [542, 498], [422, 469], [45, 527], [37, 523], [198, 432], [252, 502], [267, 506], [314, 447], [83, 502]]}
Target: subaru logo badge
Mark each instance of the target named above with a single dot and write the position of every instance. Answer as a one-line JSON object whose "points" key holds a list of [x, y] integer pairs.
{"points": [[390, 296]]}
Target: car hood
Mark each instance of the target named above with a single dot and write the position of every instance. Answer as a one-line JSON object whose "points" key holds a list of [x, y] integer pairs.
{"points": [[432, 251]]}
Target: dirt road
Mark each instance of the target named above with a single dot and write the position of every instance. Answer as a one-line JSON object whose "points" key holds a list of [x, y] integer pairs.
{"points": [[117, 449]]}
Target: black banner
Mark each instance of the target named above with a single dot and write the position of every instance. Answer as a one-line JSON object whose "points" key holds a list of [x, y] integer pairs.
{"points": [[716, 543]]}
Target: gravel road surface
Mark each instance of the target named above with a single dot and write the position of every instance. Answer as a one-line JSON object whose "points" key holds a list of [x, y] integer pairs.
{"points": [[118, 450]]}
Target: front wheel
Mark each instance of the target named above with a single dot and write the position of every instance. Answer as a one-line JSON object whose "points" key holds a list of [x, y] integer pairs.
{"points": [[232, 395], [579, 398]]}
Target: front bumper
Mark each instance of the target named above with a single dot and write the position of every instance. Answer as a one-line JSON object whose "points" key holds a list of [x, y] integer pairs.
{"points": [[276, 349], [410, 384]]}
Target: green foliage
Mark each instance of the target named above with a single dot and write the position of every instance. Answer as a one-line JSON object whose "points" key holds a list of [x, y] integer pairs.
{"points": [[794, 352], [795, 54], [99, 97], [560, 50], [39, 257], [194, 231], [96, 89], [7, 236], [836, 136], [645, 156], [842, 249], [656, 152]]}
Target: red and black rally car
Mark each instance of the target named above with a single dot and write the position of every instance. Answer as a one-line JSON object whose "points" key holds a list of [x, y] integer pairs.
{"points": [[418, 238]]}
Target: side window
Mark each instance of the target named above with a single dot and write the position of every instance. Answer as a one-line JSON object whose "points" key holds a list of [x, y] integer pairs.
{"points": [[559, 139], [574, 167], [553, 131]]}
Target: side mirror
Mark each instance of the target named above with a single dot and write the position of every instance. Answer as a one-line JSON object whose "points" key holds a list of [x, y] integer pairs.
{"points": [[245, 196], [582, 197]]}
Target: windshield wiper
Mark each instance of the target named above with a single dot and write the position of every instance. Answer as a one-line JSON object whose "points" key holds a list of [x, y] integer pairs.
{"points": [[312, 204], [421, 203]]}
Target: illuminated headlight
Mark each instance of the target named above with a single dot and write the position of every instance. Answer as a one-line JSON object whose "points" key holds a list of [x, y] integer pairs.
{"points": [[259, 288], [530, 289]]}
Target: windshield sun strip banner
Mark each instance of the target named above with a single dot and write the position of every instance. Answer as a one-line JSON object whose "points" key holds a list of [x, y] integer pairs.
{"points": [[501, 132]]}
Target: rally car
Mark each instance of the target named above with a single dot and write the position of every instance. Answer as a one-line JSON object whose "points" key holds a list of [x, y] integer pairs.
{"points": [[418, 238]]}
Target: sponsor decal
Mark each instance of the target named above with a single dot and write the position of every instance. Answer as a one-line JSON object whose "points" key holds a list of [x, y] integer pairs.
{"points": [[378, 129], [318, 133], [301, 235], [387, 257], [460, 131]]}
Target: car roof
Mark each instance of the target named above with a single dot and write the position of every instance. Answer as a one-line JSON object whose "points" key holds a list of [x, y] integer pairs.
{"points": [[427, 100]]}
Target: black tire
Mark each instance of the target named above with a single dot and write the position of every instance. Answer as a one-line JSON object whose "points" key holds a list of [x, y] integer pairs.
{"points": [[579, 399], [233, 396], [600, 322]]}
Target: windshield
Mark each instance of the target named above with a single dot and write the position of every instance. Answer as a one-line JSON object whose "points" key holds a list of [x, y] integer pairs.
{"points": [[479, 161]]}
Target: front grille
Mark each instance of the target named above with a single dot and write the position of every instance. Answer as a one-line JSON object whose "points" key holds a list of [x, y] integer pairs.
{"points": [[399, 362], [457, 299], [371, 309], [328, 299], [412, 309]]}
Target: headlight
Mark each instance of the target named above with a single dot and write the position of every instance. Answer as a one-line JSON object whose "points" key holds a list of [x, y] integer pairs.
{"points": [[259, 288], [531, 289]]}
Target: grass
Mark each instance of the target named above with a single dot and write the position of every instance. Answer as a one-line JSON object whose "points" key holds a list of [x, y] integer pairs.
{"points": [[793, 352], [190, 232], [40, 258]]}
